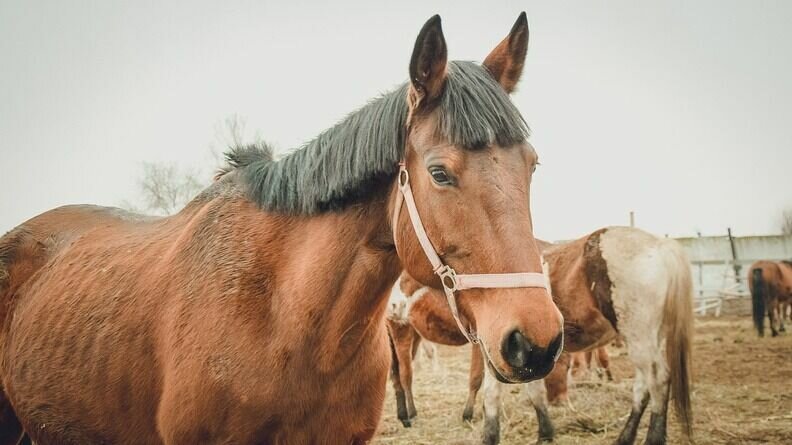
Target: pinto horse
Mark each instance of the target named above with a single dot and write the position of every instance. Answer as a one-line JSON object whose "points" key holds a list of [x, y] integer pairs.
{"points": [[256, 314], [617, 282], [770, 283]]}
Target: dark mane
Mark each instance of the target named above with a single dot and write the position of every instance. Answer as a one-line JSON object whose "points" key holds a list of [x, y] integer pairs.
{"points": [[345, 163]]}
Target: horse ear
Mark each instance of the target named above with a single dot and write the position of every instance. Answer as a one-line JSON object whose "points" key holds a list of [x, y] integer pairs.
{"points": [[428, 63], [506, 61]]}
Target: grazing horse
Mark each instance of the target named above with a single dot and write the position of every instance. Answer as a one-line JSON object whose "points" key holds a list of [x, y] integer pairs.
{"points": [[770, 283], [256, 314], [617, 282]]}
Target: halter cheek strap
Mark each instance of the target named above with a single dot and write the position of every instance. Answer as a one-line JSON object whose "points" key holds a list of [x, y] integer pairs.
{"points": [[452, 281]]}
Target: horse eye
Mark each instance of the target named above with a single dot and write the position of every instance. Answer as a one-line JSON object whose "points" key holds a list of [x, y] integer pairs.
{"points": [[440, 176]]}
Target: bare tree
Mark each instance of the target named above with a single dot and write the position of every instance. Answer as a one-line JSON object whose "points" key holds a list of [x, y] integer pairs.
{"points": [[786, 222], [165, 189], [231, 132]]}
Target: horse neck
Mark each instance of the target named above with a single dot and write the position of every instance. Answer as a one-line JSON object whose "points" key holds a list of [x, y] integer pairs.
{"points": [[566, 266], [334, 272], [564, 263]]}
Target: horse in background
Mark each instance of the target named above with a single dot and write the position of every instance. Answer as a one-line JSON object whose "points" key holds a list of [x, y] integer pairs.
{"points": [[256, 314], [770, 283], [616, 283]]}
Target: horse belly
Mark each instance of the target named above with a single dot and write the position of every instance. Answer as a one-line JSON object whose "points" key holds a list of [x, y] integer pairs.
{"points": [[75, 372]]}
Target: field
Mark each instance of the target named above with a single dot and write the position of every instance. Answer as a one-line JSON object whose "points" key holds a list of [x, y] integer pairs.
{"points": [[742, 394]]}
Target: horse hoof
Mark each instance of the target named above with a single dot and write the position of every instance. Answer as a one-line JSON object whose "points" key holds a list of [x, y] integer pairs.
{"points": [[544, 440], [406, 422], [467, 416]]}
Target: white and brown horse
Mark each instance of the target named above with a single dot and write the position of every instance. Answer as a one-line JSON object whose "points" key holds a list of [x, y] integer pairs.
{"points": [[616, 281], [256, 314]]}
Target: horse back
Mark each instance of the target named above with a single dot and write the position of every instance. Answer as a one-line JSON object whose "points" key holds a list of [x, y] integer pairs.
{"points": [[771, 275], [27, 248], [785, 285]]}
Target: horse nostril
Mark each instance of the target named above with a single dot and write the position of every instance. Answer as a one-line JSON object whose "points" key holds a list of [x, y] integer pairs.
{"points": [[517, 350], [527, 359]]}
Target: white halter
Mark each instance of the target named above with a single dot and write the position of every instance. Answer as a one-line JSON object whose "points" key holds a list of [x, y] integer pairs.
{"points": [[448, 277]]}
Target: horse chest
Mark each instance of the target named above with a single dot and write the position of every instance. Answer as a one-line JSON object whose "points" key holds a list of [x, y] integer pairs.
{"points": [[264, 398]]}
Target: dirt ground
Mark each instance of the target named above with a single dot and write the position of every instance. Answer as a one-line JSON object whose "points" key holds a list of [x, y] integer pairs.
{"points": [[742, 394]]}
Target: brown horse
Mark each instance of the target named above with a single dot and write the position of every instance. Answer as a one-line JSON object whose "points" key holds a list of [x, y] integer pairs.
{"points": [[770, 283], [256, 314], [617, 282]]}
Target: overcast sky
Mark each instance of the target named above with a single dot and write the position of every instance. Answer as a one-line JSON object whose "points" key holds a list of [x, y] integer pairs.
{"points": [[678, 110]]}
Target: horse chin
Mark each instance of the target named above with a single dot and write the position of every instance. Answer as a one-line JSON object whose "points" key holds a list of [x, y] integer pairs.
{"points": [[505, 377], [516, 376]]}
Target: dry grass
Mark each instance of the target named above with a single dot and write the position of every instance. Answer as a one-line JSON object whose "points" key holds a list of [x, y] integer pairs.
{"points": [[742, 394]]}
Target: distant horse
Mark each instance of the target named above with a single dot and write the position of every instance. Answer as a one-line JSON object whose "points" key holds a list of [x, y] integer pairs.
{"points": [[770, 283], [614, 282], [256, 314]]}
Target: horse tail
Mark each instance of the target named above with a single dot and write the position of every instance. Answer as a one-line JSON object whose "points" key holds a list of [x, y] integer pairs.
{"points": [[678, 321], [758, 295]]}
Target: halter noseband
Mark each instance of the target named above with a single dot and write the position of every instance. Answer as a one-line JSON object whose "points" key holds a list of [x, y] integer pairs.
{"points": [[452, 281]]}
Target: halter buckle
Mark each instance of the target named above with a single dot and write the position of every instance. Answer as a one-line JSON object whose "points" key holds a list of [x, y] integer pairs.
{"points": [[404, 177], [448, 278]]}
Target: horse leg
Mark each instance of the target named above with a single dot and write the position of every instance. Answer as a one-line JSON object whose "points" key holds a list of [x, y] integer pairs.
{"points": [[474, 383], [771, 311], [416, 349], [401, 404], [595, 363], [604, 360], [406, 370], [577, 362], [430, 352], [11, 432], [788, 308], [492, 389], [640, 400], [556, 383], [658, 391], [781, 316], [537, 393]]}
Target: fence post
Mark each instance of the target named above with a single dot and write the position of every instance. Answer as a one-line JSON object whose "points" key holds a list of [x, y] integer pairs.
{"points": [[734, 257], [701, 279]]}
